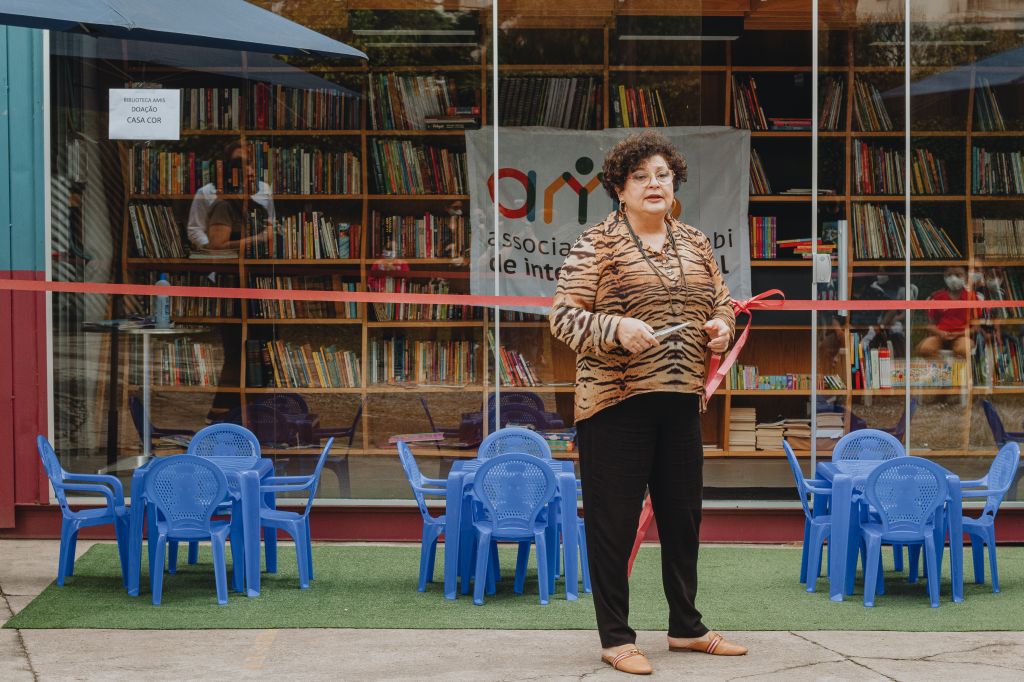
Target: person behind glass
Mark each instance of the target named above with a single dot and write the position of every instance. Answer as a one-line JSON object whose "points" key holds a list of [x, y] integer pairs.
{"points": [[638, 396], [219, 224], [946, 327]]}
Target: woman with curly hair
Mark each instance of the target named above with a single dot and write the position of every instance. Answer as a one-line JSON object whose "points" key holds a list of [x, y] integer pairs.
{"points": [[639, 394]]}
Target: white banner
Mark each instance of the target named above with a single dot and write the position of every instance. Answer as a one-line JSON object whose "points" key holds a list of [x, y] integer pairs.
{"points": [[550, 191]]}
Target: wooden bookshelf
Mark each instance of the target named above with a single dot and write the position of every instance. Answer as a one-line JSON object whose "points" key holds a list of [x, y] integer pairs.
{"points": [[717, 76]]}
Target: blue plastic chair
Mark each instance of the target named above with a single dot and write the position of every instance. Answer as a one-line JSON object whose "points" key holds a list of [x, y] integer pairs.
{"points": [[186, 491], [908, 494], [816, 528], [867, 444], [513, 490], [293, 523], [982, 530], [514, 439], [71, 522], [1002, 437], [433, 526], [217, 440]]}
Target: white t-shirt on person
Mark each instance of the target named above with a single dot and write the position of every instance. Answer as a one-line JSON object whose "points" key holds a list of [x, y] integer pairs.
{"points": [[206, 197]]}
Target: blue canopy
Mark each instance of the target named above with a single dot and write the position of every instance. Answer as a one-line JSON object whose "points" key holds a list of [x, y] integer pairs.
{"points": [[1002, 68], [226, 24]]}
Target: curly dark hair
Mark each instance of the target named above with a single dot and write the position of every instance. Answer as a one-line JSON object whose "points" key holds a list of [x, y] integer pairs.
{"points": [[628, 153]]}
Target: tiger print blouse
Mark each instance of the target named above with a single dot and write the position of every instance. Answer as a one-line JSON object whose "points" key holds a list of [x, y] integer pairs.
{"points": [[605, 278]]}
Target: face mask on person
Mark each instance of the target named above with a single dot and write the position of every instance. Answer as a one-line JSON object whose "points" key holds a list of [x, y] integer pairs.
{"points": [[882, 279], [954, 282], [993, 283]]}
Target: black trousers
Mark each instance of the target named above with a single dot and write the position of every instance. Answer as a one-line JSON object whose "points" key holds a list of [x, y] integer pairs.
{"points": [[650, 441]]}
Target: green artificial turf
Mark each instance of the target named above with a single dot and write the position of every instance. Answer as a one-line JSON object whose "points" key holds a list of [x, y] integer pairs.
{"points": [[741, 588]]}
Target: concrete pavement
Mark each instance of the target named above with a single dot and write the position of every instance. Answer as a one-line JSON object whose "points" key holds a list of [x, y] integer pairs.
{"points": [[26, 567]]}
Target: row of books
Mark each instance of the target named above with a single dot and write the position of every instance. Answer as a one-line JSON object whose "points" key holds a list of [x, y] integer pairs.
{"points": [[871, 367], [387, 312], [869, 111], [999, 237], [210, 108], [879, 170], [183, 362], [399, 360], [574, 102], [878, 232], [298, 170], [758, 178], [998, 359], [403, 167], [400, 102], [1001, 284], [748, 112], [831, 117], [746, 109], [156, 232], [282, 364], [638, 107], [153, 170], [515, 369], [422, 236], [997, 172], [987, 114], [189, 306], [763, 233], [747, 378], [277, 107], [290, 310], [304, 235]]}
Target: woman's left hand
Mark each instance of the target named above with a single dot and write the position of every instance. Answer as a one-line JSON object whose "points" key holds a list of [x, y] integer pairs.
{"points": [[718, 331]]}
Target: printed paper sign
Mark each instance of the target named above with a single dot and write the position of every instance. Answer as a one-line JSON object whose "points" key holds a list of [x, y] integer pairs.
{"points": [[145, 114]]}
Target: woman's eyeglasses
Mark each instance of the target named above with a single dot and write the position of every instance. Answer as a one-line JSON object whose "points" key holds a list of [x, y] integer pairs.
{"points": [[663, 177]]}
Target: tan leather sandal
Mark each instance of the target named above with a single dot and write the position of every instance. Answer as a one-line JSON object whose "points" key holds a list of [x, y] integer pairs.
{"points": [[715, 644], [632, 661]]}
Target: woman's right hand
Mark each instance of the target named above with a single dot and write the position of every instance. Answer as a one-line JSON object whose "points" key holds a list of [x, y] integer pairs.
{"points": [[635, 335]]}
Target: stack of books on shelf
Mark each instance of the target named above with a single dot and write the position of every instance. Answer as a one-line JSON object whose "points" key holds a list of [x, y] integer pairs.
{"points": [[869, 110], [747, 378], [182, 362], [758, 178], [997, 172], [768, 435], [418, 236], [303, 235], [515, 369], [829, 430], [638, 107], [404, 167], [805, 246], [298, 170], [156, 170], [282, 364], [574, 102], [763, 233], [276, 107], [387, 312], [397, 360], [454, 118], [998, 359], [987, 114], [879, 170], [268, 309], [156, 232], [742, 428], [999, 238], [746, 110], [831, 116], [400, 102], [878, 232], [789, 123], [1001, 284], [210, 108], [189, 306]]}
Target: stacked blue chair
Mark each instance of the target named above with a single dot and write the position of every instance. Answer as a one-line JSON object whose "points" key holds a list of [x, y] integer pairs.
{"points": [[982, 530], [114, 512], [1002, 437], [219, 440], [186, 491], [908, 494], [816, 528], [433, 526], [293, 523], [513, 489]]}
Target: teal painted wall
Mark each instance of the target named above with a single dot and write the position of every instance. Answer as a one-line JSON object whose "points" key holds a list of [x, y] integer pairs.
{"points": [[21, 150]]}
